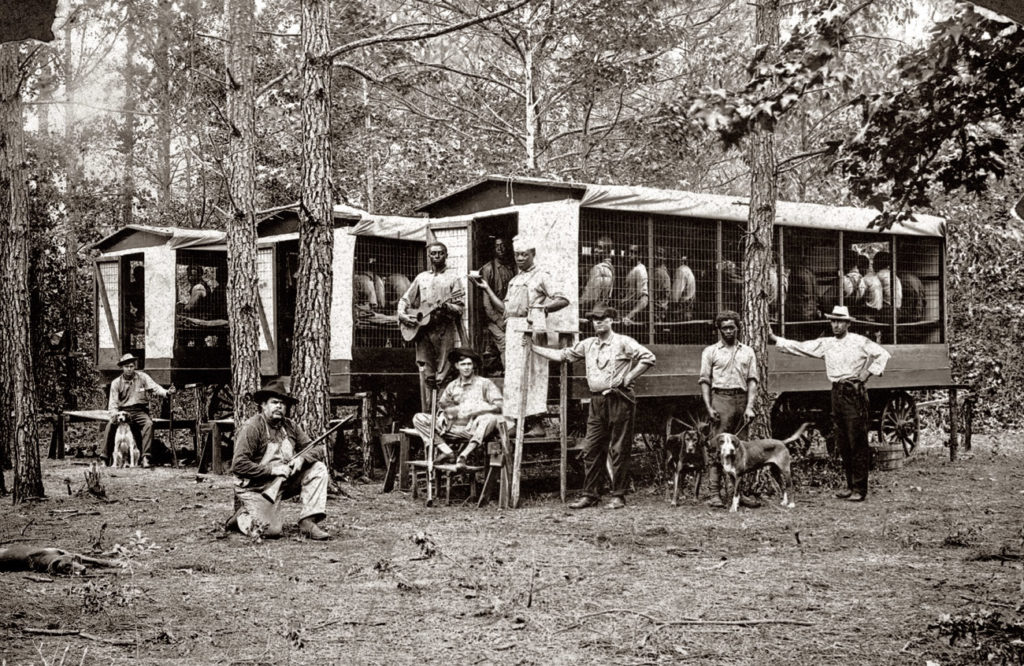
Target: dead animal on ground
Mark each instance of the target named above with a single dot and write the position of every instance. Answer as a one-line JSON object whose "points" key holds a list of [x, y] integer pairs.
{"points": [[54, 561], [686, 454], [740, 457], [126, 453]]}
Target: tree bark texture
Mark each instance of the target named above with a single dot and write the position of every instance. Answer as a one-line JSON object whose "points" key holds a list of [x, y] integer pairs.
{"points": [[312, 336], [162, 70], [18, 406], [757, 262], [243, 285], [128, 129]]}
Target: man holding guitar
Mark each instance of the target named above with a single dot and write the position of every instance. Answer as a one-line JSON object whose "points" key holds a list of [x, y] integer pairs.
{"points": [[430, 312]]}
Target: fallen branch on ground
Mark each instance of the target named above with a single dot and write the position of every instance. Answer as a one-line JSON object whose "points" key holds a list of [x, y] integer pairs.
{"points": [[684, 622], [76, 632]]}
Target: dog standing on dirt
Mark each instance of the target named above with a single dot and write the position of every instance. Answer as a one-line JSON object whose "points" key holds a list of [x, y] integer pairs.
{"points": [[126, 453], [686, 454], [740, 457]]}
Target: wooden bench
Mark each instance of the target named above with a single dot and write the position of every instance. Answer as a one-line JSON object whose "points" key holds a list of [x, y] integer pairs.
{"points": [[102, 418]]}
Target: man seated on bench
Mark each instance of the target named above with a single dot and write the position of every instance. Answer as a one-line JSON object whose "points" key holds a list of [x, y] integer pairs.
{"points": [[129, 394], [469, 408]]}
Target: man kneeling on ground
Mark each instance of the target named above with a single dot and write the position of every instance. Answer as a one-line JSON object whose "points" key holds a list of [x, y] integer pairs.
{"points": [[265, 449], [469, 409]]}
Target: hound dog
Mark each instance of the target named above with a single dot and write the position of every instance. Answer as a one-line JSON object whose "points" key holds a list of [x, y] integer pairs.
{"points": [[739, 458], [126, 453], [686, 454]]}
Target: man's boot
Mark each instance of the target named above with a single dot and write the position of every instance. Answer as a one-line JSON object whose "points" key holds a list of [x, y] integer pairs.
{"points": [[309, 529], [715, 487]]}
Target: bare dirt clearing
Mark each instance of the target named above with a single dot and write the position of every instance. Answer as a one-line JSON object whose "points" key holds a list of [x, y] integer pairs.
{"points": [[401, 583]]}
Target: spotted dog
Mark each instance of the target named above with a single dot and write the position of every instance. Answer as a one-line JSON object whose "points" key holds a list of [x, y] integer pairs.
{"points": [[686, 454], [740, 457], [126, 453]]}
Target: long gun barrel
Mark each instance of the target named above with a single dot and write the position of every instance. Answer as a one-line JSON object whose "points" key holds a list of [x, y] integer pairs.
{"points": [[273, 489]]}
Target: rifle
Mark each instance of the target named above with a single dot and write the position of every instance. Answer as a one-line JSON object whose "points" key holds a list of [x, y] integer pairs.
{"points": [[273, 489]]}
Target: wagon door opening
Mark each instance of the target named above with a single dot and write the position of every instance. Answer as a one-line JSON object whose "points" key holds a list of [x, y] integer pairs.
{"points": [[486, 323]]}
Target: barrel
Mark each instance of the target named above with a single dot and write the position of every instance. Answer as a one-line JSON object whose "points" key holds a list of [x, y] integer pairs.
{"points": [[889, 457]]}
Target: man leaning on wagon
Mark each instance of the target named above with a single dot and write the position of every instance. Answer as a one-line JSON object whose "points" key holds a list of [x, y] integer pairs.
{"points": [[850, 360], [613, 363], [265, 450], [128, 394]]}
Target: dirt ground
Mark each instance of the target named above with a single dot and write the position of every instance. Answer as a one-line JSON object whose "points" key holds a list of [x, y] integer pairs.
{"points": [[833, 582]]}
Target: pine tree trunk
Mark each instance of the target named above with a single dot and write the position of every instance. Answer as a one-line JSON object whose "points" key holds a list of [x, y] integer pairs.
{"points": [[162, 67], [243, 313], [18, 407], [311, 353], [757, 251], [72, 174], [128, 129]]}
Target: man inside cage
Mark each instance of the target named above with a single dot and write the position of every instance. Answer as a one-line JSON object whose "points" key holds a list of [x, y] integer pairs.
{"points": [[497, 273], [601, 283], [684, 289], [661, 289], [637, 289], [431, 313]]}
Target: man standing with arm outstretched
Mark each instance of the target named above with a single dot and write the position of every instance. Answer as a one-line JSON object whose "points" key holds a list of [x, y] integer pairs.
{"points": [[850, 360], [613, 363]]}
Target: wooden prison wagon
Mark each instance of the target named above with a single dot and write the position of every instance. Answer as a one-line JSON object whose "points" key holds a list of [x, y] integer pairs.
{"points": [[144, 276], [691, 246]]}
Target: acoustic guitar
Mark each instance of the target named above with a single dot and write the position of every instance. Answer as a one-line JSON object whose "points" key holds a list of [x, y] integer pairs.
{"points": [[423, 316]]}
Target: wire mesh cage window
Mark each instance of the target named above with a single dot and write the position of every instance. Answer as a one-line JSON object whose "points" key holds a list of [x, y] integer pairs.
{"points": [[866, 264], [810, 281], [684, 279], [613, 268], [918, 290], [201, 309], [134, 306], [384, 269], [108, 304]]}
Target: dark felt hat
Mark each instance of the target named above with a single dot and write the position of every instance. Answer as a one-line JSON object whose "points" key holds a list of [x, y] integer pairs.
{"points": [[602, 311], [275, 388], [459, 353], [127, 358]]}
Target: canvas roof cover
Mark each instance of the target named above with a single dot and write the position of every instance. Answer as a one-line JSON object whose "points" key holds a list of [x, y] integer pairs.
{"points": [[177, 238], [716, 206]]}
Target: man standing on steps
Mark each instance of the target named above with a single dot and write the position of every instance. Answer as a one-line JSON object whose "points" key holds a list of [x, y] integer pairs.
{"points": [[437, 293], [850, 360], [613, 363], [728, 384]]}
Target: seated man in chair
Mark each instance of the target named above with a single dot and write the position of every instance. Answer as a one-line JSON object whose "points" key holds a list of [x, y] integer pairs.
{"points": [[469, 408]]}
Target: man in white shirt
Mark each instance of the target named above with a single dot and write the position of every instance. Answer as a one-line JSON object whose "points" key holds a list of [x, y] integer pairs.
{"points": [[850, 360]]}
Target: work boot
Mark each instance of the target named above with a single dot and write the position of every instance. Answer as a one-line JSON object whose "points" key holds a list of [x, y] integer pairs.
{"points": [[616, 502], [843, 494], [309, 529], [145, 462], [584, 502]]}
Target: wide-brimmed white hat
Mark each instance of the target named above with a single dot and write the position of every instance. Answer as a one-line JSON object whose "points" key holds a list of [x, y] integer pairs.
{"points": [[840, 313]]}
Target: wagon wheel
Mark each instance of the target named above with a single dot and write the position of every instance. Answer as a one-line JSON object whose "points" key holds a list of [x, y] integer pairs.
{"points": [[786, 418], [899, 423]]}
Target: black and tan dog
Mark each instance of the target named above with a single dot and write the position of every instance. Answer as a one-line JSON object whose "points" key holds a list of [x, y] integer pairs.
{"points": [[739, 457], [686, 454]]}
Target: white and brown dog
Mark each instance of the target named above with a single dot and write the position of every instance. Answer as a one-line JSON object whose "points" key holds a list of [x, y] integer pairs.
{"points": [[126, 453], [739, 457], [686, 454]]}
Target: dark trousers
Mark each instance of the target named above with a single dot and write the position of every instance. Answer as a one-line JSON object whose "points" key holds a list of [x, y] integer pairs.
{"points": [[609, 442], [850, 417], [730, 406], [142, 431]]}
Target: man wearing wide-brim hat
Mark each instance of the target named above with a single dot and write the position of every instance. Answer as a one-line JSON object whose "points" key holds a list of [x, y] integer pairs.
{"points": [[469, 409], [850, 360], [265, 450], [129, 394], [613, 363]]}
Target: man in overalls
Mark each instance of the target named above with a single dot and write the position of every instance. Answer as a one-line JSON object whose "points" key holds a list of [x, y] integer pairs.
{"points": [[265, 449]]}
